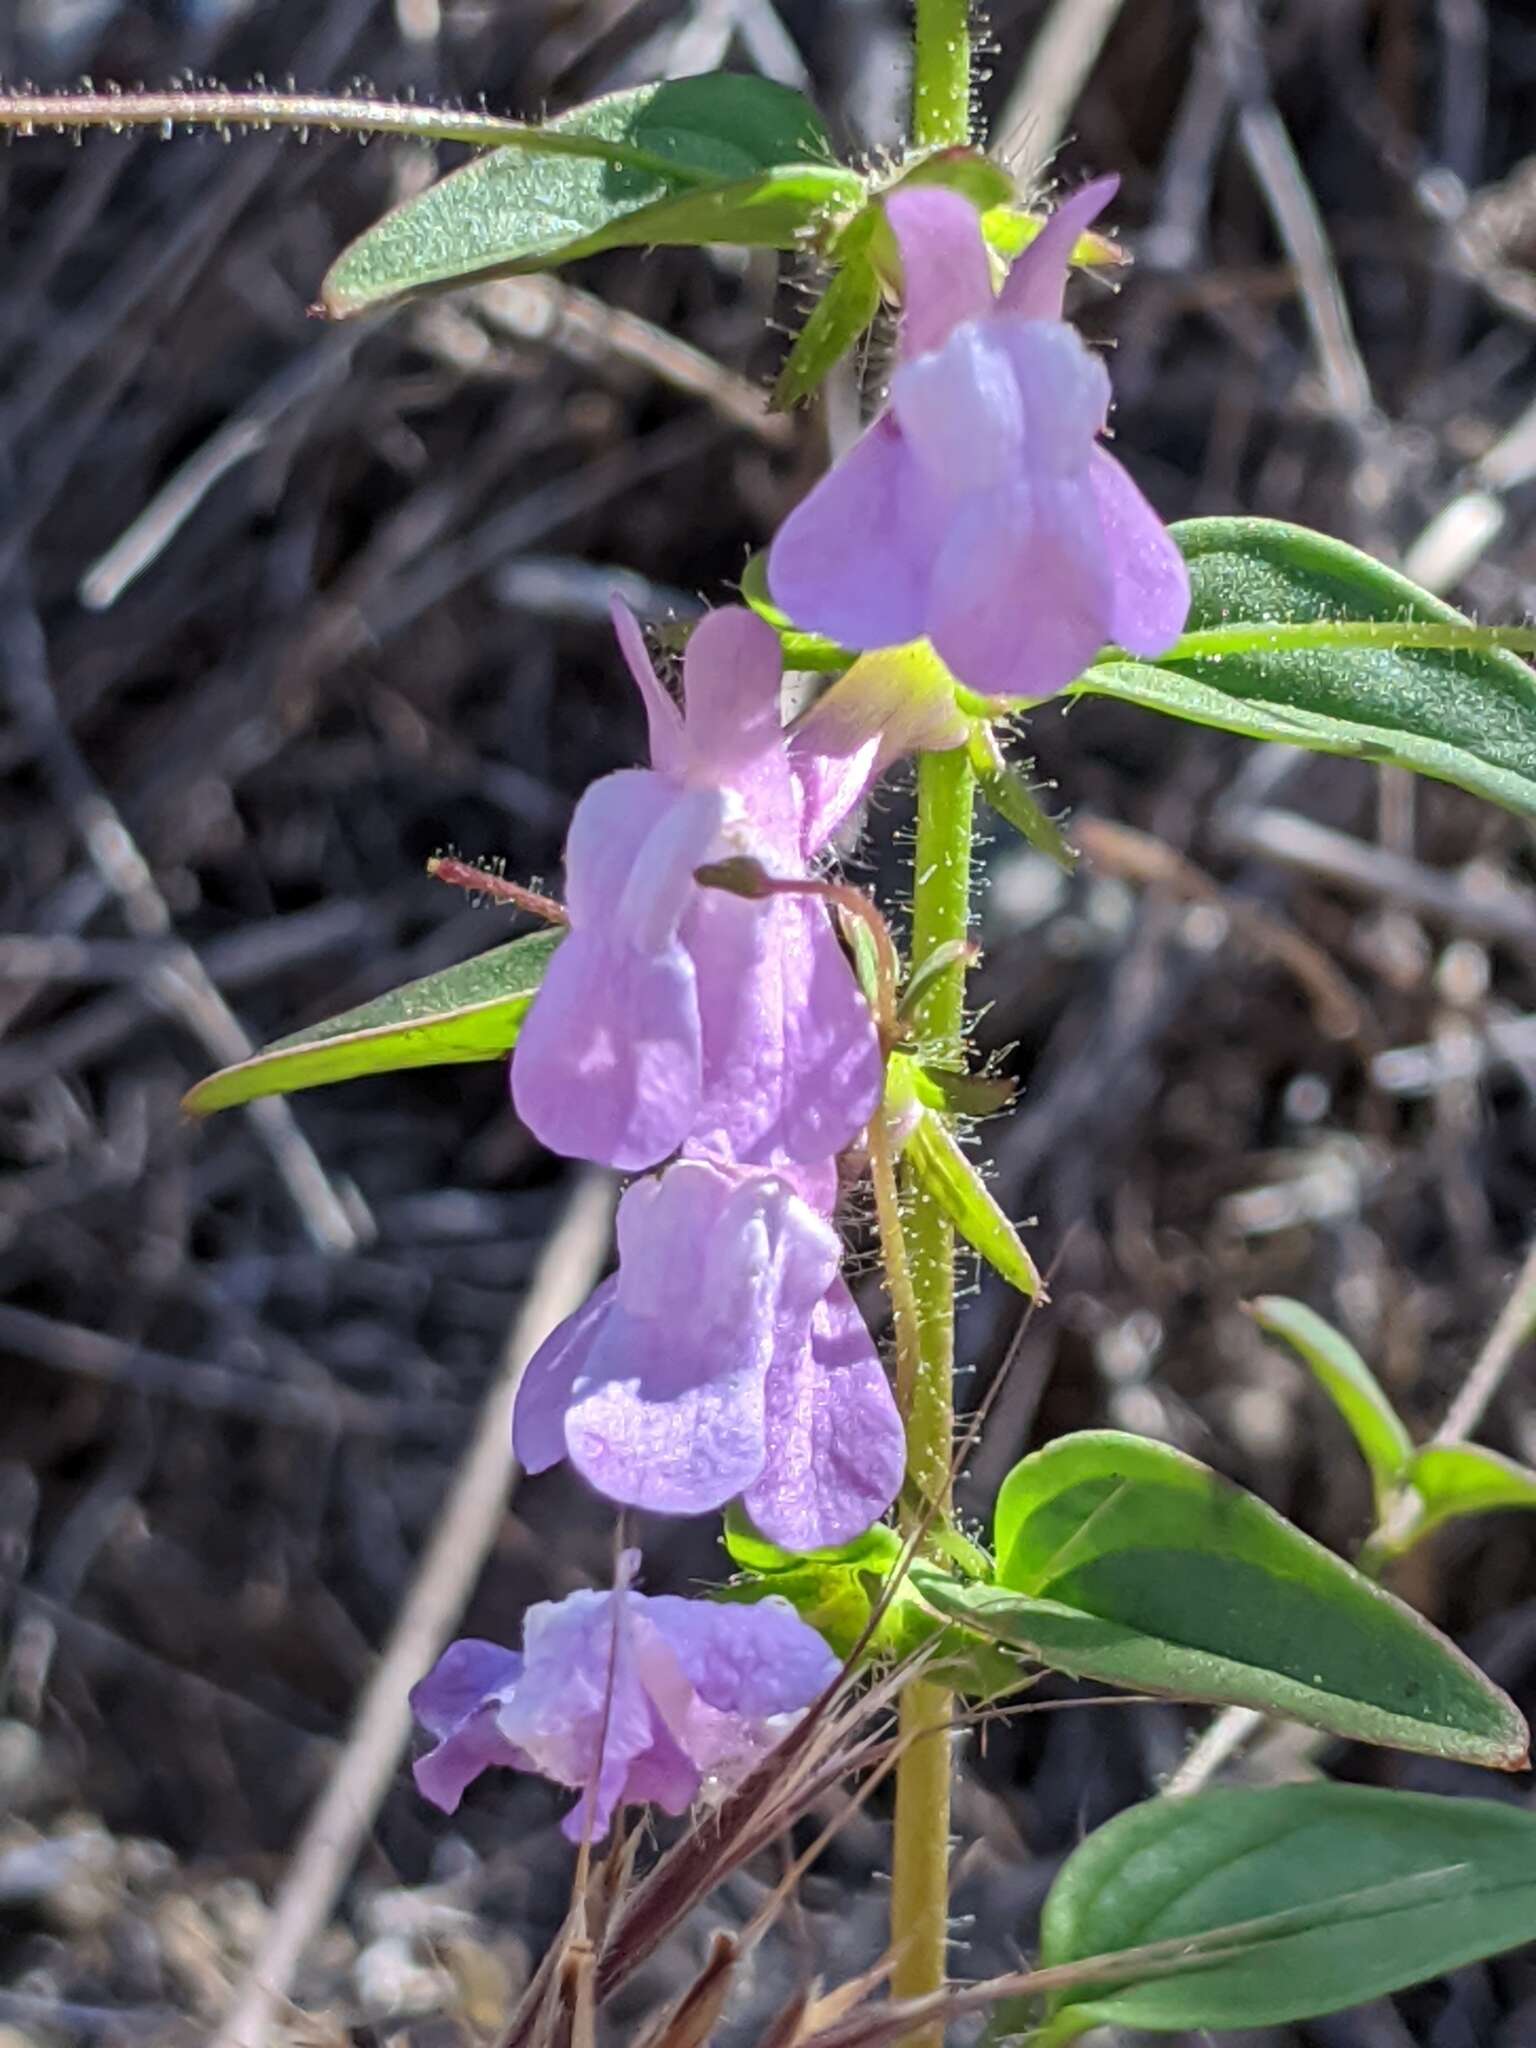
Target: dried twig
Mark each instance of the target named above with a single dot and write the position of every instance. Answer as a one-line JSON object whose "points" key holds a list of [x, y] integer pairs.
{"points": [[1273, 160], [466, 1528], [1481, 908], [181, 980], [1037, 110]]}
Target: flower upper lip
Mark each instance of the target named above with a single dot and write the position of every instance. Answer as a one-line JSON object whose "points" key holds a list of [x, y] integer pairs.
{"points": [[979, 511]]}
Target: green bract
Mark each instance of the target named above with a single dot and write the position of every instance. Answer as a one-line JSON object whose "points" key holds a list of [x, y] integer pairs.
{"points": [[860, 1595]]}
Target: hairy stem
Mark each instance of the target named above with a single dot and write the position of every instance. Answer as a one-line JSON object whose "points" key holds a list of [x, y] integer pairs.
{"points": [[25, 113], [905, 1315], [941, 916], [941, 73], [941, 907]]}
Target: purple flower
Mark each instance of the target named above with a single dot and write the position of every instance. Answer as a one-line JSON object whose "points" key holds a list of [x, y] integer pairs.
{"points": [[673, 1012], [724, 1358], [621, 1697], [980, 510]]}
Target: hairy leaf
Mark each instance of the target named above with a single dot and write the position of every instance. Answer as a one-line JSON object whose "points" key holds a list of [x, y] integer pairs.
{"points": [[727, 158], [1461, 714]]}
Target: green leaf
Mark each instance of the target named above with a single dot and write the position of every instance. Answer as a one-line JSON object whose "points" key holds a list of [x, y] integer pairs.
{"points": [[470, 1012], [1124, 1560], [934, 1159], [1463, 715], [1334, 1894], [1351, 1386], [1465, 1479], [718, 158]]}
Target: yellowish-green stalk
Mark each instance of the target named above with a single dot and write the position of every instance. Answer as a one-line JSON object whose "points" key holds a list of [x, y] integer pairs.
{"points": [[920, 1854], [941, 116]]}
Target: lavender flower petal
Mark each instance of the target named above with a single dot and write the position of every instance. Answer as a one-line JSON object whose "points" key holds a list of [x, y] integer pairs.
{"points": [[620, 1698], [549, 1381], [978, 511], [1036, 285], [664, 718], [836, 1447], [854, 559], [791, 1065], [458, 1702], [666, 1410], [608, 1065], [946, 273], [1151, 595], [1029, 594]]}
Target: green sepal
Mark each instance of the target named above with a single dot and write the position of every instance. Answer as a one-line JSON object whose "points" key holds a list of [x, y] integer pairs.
{"points": [[1011, 797], [936, 1162], [845, 310]]}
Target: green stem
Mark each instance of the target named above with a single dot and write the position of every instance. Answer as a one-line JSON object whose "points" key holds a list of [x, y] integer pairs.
{"points": [[941, 906], [941, 915], [941, 73]]}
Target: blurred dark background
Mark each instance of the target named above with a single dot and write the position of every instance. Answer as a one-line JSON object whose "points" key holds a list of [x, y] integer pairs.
{"points": [[287, 608]]}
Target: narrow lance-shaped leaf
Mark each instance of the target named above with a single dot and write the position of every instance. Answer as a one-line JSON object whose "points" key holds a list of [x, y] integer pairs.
{"points": [[1350, 1384], [1461, 714], [1335, 1894], [844, 311], [734, 159], [466, 1013], [1127, 1561], [937, 1163], [1013, 800]]}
